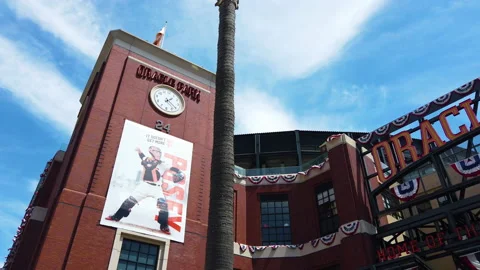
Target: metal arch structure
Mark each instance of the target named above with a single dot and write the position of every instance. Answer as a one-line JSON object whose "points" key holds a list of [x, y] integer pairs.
{"points": [[451, 227]]}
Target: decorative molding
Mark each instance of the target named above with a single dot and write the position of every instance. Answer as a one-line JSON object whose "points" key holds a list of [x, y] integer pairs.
{"points": [[312, 246], [162, 243], [278, 179]]}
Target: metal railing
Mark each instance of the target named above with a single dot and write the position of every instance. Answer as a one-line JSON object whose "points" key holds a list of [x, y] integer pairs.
{"points": [[280, 170]]}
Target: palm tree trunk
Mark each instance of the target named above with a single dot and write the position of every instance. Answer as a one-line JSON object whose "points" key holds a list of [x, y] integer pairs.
{"points": [[219, 253]]}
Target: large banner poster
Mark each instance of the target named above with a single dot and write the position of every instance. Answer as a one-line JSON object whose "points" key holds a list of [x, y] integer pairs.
{"points": [[148, 190]]}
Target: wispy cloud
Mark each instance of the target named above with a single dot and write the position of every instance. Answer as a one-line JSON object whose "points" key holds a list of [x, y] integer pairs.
{"points": [[296, 40], [292, 41], [38, 85], [75, 22], [257, 111], [283, 42]]}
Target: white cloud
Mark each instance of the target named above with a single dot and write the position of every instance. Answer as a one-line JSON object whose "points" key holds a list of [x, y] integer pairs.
{"points": [[292, 40], [298, 39], [75, 22], [357, 98], [282, 41], [38, 86], [257, 111]]}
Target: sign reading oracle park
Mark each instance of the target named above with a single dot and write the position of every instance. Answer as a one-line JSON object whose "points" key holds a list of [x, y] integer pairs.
{"points": [[188, 91], [402, 141]]}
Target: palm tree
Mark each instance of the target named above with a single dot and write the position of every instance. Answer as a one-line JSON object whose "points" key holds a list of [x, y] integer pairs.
{"points": [[220, 218]]}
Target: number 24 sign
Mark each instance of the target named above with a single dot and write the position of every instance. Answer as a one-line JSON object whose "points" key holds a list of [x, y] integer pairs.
{"points": [[159, 125]]}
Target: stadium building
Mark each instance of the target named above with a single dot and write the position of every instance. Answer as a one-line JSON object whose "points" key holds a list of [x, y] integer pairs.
{"points": [[131, 190]]}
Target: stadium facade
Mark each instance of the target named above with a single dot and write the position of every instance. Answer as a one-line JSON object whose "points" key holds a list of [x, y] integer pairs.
{"points": [[131, 189]]}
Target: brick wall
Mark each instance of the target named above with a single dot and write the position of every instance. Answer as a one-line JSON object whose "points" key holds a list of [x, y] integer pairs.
{"points": [[75, 239]]}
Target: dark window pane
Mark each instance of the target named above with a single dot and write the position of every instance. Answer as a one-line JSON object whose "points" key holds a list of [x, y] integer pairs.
{"points": [[144, 248], [142, 258], [327, 209], [151, 260], [126, 244], [149, 268], [124, 254], [135, 246], [274, 218], [131, 266], [133, 256], [153, 250], [122, 265]]}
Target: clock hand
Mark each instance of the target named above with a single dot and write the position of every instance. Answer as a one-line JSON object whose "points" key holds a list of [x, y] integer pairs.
{"points": [[171, 104]]}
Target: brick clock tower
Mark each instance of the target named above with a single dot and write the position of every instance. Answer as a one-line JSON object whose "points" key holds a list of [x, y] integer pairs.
{"points": [[102, 205]]}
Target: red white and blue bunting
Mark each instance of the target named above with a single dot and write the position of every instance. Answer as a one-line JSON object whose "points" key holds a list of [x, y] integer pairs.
{"points": [[400, 122], [407, 190], [327, 240], [350, 228], [468, 167], [472, 261], [287, 178], [424, 110]]}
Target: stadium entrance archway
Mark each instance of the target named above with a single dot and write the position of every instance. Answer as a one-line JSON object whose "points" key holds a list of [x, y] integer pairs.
{"points": [[424, 188]]}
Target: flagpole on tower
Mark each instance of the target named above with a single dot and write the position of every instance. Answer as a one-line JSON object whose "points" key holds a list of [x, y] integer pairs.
{"points": [[160, 37]]}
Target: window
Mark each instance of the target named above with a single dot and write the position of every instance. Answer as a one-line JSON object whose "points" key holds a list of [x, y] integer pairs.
{"points": [[137, 256], [327, 209], [275, 220]]}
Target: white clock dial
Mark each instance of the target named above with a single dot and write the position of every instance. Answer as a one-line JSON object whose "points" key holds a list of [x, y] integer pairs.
{"points": [[167, 100]]}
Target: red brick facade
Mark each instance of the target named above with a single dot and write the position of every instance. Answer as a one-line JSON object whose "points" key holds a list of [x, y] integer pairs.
{"points": [[74, 193]]}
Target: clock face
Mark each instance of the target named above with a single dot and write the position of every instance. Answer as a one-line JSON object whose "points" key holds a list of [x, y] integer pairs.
{"points": [[167, 100]]}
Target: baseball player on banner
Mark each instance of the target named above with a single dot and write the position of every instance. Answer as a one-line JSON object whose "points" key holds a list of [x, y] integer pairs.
{"points": [[154, 169]]}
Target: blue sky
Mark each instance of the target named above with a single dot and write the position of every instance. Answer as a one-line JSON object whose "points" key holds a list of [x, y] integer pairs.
{"points": [[316, 65]]}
